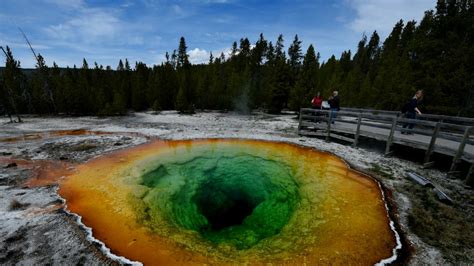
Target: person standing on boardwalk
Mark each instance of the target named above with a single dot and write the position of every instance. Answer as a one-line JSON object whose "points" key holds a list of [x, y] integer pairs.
{"points": [[316, 104], [411, 109], [334, 106]]}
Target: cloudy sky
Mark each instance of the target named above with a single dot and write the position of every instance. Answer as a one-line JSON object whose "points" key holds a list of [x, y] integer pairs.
{"points": [[65, 31]]}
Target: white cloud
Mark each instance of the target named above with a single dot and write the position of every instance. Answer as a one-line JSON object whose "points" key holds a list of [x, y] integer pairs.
{"points": [[95, 27], [381, 15], [198, 56], [90, 26]]}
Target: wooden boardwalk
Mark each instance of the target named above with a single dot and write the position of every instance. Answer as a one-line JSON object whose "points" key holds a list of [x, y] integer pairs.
{"points": [[446, 135]]}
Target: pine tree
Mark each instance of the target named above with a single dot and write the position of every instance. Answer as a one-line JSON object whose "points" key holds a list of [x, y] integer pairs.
{"points": [[169, 86], [211, 59], [127, 65], [270, 54], [183, 58], [42, 91], [70, 92], [118, 104], [294, 62], [279, 52], [184, 101], [256, 88], [56, 87], [139, 87], [307, 81], [258, 52], [295, 55], [120, 66], [280, 83], [234, 50], [13, 84]]}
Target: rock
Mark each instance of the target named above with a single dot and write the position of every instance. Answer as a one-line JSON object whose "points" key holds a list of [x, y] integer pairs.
{"points": [[10, 165]]}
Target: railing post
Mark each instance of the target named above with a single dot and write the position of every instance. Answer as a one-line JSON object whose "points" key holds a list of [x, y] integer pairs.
{"points": [[470, 178], [300, 119], [390, 136], [356, 135], [460, 151], [429, 151]]}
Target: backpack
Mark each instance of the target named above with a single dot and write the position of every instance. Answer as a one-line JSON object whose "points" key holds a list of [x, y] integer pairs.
{"points": [[405, 108]]}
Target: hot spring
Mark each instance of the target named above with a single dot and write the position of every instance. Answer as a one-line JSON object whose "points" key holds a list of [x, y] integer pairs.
{"points": [[231, 201]]}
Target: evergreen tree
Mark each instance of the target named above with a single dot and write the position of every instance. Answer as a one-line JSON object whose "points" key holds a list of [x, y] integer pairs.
{"points": [[169, 86], [183, 58], [256, 90], [258, 52], [127, 65], [71, 92], [56, 87], [307, 81], [42, 91], [270, 54], [295, 55], [234, 50], [13, 84], [184, 101], [294, 62], [211, 59], [118, 104], [120, 66], [139, 87], [280, 83], [279, 52]]}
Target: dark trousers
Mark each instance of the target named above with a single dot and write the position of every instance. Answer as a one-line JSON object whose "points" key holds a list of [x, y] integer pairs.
{"points": [[316, 113], [409, 115], [333, 114]]}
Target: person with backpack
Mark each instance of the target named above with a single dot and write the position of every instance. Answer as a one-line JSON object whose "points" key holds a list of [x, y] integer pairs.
{"points": [[410, 110]]}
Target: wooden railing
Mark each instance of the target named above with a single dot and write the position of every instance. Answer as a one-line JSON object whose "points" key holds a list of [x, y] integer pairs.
{"points": [[430, 117], [451, 136]]}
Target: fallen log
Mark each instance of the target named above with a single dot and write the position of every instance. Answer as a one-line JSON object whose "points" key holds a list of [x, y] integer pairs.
{"points": [[443, 197]]}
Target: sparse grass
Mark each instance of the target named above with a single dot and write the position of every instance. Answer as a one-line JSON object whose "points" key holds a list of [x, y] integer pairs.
{"points": [[448, 228], [83, 147], [381, 171], [16, 205]]}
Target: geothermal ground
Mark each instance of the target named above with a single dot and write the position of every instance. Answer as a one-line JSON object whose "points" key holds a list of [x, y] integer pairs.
{"points": [[35, 228]]}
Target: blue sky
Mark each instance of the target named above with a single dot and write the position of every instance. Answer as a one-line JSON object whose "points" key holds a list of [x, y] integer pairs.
{"points": [[66, 31]]}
